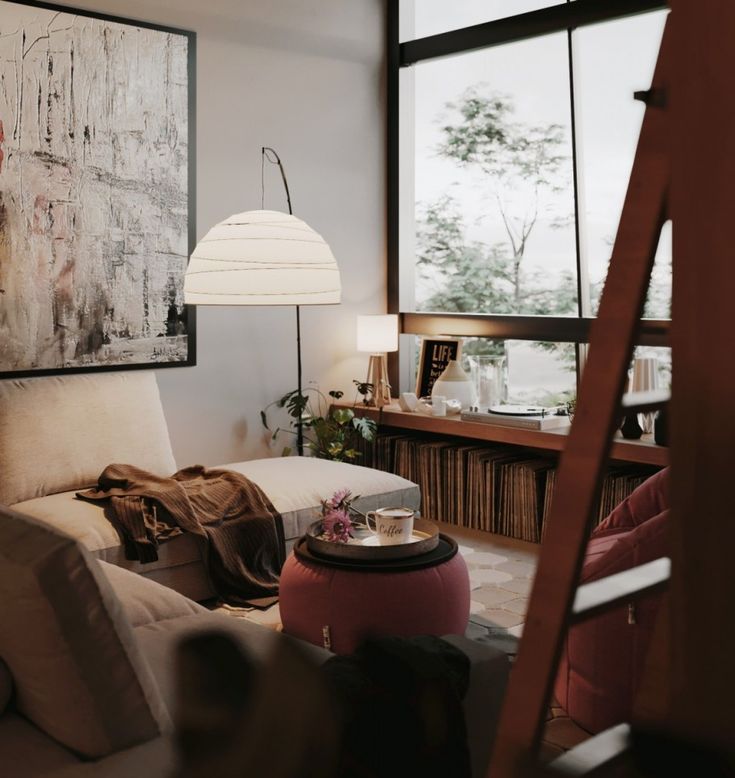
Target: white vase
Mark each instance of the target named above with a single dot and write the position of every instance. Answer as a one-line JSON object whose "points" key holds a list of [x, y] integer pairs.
{"points": [[455, 384]]}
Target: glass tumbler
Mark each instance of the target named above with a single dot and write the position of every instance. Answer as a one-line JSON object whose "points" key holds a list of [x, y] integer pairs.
{"points": [[490, 376]]}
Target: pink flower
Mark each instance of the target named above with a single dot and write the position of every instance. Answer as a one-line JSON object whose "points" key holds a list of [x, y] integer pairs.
{"points": [[339, 500], [337, 525]]}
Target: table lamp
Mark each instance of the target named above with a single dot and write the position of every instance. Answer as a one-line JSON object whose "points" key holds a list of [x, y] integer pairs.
{"points": [[376, 335], [264, 258]]}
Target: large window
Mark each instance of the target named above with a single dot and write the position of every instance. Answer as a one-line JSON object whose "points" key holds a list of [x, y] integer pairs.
{"points": [[512, 163], [493, 181], [611, 61]]}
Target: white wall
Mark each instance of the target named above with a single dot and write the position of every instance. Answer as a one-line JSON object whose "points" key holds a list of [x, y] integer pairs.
{"points": [[305, 77]]}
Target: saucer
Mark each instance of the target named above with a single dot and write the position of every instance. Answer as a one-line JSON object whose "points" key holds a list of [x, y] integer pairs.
{"points": [[374, 540]]}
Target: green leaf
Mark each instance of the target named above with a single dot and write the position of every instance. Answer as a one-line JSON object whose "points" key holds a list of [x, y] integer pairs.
{"points": [[343, 415], [336, 393], [363, 387], [366, 427], [283, 400], [296, 404], [264, 420], [319, 425], [286, 451]]}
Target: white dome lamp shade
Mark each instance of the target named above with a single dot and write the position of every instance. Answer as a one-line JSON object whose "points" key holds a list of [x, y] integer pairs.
{"points": [[264, 258]]}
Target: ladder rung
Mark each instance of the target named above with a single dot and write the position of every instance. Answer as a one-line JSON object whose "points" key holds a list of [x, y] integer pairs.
{"points": [[594, 753], [615, 589], [640, 402]]}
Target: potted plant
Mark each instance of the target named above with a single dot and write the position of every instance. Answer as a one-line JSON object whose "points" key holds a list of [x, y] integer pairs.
{"points": [[331, 432]]}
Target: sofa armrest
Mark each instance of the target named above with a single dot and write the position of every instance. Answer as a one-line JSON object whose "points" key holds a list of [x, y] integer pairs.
{"points": [[489, 670]]}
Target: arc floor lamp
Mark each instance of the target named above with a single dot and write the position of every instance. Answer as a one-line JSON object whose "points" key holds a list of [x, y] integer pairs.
{"points": [[264, 258]]}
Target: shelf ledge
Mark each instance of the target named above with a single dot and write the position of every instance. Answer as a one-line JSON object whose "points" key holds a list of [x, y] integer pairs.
{"points": [[644, 451]]}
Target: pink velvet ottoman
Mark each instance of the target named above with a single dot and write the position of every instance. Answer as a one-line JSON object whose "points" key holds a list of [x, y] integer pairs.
{"points": [[337, 607]]}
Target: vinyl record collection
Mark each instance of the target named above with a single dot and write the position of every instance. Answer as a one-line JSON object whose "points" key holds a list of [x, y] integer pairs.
{"points": [[506, 490]]}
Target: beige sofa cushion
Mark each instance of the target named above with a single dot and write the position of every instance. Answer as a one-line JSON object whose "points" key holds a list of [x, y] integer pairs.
{"points": [[84, 521], [146, 602], [77, 669], [297, 485], [59, 433], [87, 522], [161, 618]]}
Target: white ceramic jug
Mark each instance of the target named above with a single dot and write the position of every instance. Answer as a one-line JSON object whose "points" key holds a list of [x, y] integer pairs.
{"points": [[455, 384]]}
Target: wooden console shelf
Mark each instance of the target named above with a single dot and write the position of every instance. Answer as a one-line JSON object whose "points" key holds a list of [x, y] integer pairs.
{"points": [[644, 451]]}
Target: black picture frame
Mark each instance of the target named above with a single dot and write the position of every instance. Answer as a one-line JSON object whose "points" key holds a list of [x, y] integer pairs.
{"points": [[187, 315], [435, 355]]}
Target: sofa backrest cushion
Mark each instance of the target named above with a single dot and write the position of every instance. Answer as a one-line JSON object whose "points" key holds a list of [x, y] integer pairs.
{"points": [[77, 670], [59, 433]]}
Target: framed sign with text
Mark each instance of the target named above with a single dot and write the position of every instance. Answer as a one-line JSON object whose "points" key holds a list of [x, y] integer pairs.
{"points": [[436, 354]]}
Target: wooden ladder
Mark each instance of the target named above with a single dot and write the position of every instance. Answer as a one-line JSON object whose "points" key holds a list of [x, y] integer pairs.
{"points": [[557, 601]]}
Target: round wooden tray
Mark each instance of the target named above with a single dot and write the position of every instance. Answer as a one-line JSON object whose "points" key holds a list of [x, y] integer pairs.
{"points": [[425, 532], [445, 550]]}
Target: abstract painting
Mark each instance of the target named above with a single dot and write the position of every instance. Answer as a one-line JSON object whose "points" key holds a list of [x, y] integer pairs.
{"points": [[96, 191]]}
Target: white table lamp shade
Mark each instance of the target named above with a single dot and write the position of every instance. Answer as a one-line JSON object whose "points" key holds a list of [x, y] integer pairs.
{"points": [[262, 258], [377, 334]]}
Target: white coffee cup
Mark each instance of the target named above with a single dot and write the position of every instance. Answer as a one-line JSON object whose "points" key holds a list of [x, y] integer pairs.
{"points": [[393, 526]]}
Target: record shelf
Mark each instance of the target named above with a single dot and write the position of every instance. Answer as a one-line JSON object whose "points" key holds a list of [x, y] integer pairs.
{"points": [[492, 478]]}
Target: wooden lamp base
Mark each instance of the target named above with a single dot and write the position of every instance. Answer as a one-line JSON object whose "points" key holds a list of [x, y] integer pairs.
{"points": [[378, 377]]}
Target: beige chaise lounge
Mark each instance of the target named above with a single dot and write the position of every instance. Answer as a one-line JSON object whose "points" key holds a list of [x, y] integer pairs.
{"points": [[57, 435]]}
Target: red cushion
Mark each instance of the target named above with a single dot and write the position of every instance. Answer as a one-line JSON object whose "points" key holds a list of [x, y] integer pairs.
{"points": [[603, 658], [354, 605]]}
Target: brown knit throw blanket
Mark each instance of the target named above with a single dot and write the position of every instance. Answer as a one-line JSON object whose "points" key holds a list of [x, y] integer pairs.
{"points": [[240, 532]]}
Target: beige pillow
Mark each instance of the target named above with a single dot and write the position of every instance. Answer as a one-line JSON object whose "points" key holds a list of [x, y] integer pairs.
{"points": [[59, 433], [77, 670]]}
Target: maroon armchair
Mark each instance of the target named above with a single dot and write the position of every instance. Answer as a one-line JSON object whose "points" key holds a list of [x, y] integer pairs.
{"points": [[603, 658]]}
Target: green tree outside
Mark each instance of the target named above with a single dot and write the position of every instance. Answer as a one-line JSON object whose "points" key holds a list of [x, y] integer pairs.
{"points": [[523, 165]]}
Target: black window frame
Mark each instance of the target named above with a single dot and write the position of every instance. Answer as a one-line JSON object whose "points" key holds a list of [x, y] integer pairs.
{"points": [[565, 16]]}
